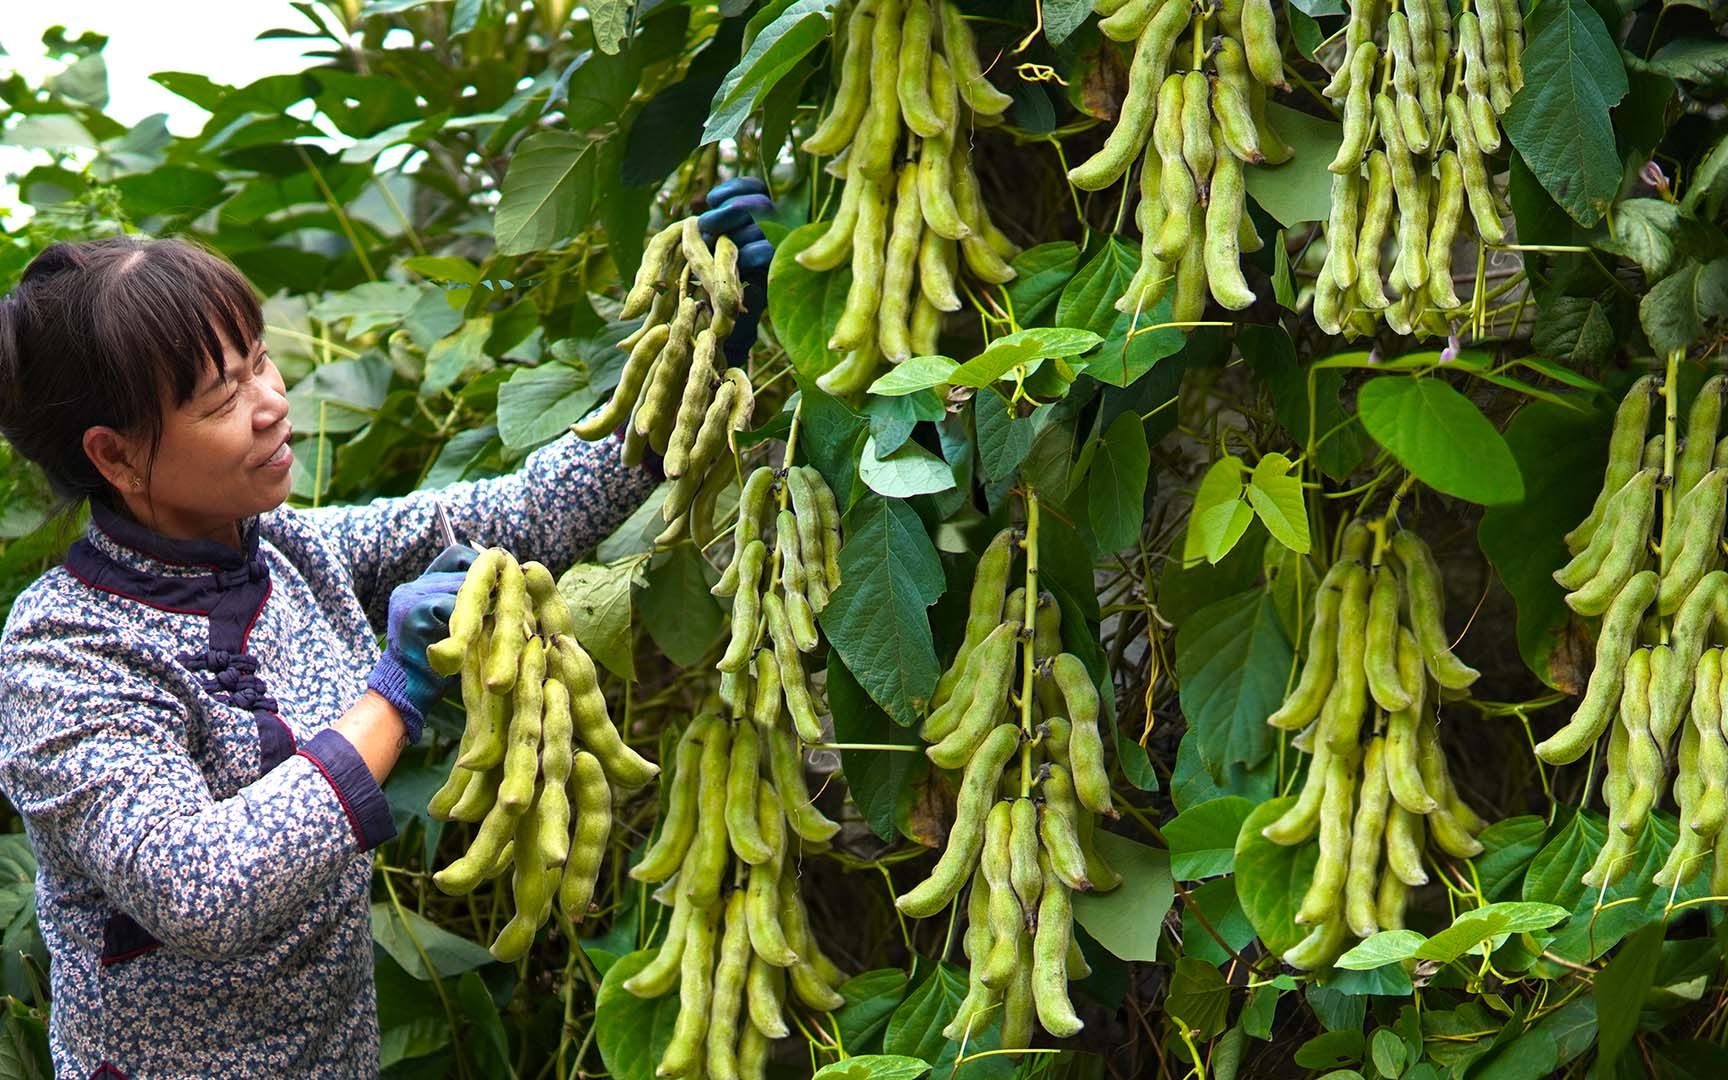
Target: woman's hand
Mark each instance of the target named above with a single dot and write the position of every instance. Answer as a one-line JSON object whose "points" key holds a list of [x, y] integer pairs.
{"points": [[419, 615], [733, 207]]}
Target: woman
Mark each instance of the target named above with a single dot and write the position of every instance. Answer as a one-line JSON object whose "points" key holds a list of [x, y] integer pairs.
{"points": [[195, 714]]}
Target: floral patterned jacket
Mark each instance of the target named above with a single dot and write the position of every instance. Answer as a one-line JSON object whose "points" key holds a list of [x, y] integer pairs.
{"points": [[165, 711]]}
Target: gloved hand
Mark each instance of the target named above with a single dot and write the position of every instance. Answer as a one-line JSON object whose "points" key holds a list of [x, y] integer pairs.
{"points": [[733, 207], [419, 615]]}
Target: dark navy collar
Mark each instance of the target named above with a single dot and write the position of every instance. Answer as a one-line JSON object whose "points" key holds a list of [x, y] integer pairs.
{"points": [[207, 553]]}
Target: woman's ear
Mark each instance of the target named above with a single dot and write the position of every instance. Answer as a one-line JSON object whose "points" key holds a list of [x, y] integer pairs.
{"points": [[115, 457]]}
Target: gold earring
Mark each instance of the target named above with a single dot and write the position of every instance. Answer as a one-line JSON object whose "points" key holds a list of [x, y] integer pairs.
{"points": [[137, 483]]}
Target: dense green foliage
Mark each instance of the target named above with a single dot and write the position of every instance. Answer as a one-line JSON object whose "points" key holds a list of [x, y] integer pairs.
{"points": [[442, 284]]}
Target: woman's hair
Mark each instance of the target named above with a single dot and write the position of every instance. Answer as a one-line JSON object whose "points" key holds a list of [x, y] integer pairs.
{"points": [[104, 332]]}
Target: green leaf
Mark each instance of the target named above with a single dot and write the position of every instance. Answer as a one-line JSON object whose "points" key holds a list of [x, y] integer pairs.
{"points": [[1677, 309], [1560, 120], [1202, 838], [1088, 302], [456, 355], [770, 57], [1063, 17], [1438, 434], [1023, 347], [1561, 454], [1128, 919], [599, 599], [1271, 878], [546, 193], [677, 610], [874, 1067], [1219, 516], [1479, 926], [1041, 273], [1620, 989], [632, 1032], [1330, 1049], [538, 404], [1384, 947], [610, 22], [918, 373], [404, 934], [1004, 439], [1199, 996], [803, 306], [340, 396], [1696, 60], [915, 1029], [1232, 662], [1216, 900], [908, 471], [1116, 483], [1647, 231], [1508, 846], [369, 306], [871, 998], [1300, 189], [877, 620], [1388, 1052], [1575, 328], [875, 779], [1276, 497]]}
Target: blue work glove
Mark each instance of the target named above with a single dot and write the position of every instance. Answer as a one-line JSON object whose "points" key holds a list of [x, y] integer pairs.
{"points": [[733, 207], [419, 615]]}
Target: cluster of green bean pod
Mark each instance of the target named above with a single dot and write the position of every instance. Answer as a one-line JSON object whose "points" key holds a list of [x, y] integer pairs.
{"points": [[1657, 662], [736, 819], [1422, 95], [539, 755], [1194, 130], [1022, 837], [910, 213], [676, 393], [785, 565], [1378, 789]]}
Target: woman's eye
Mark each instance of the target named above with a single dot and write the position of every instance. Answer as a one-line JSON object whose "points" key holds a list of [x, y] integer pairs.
{"points": [[263, 361]]}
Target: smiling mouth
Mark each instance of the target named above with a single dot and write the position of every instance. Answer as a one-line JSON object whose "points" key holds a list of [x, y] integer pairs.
{"points": [[279, 456]]}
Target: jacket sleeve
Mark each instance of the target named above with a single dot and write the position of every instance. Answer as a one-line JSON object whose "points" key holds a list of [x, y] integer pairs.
{"points": [[566, 498], [94, 756]]}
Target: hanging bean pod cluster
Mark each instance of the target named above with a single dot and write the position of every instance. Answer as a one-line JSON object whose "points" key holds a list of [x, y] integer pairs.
{"points": [[1658, 669], [737, 808], [1195, 114], [1422, 95], [676, 394], [785, 565], [1022, 836], [910, 211], [1378, 788], [539, 756]]}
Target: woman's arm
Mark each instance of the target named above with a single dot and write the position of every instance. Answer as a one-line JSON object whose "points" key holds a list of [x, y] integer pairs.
{"points": [[97, 763], [566, 497]]}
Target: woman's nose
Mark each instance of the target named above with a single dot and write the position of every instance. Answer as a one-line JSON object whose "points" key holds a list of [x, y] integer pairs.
{"points": [[272, 406]]}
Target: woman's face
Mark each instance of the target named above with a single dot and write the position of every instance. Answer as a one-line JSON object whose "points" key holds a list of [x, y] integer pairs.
{"points": [[224, 454]]}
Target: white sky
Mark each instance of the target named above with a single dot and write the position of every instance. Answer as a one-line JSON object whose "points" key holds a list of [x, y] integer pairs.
{"points": [[215, 38]]}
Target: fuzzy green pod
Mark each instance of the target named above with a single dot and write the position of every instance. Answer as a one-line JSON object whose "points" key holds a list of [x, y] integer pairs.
{"points": [[695, 994], [812, 543], [730, 972], [1702, 423], [660, 260], [1260, 43], [1197, 146], [1367, 835], [509, 627], [593, 806], [1050, 944], [1405, 834], [705, 869], [989, 686], [1321, 666], [1376, 220], [479, 797], [762, 888], [984, 613], [522, 755], [857, 321], [1085, 746], [1625, 456], [1403, 774], [467, 618], [594, 728], [1698, 522], [746, 607], [678, 818], [1298, 823], [1426, 606], [752, 511], [794, 685], [1134, 119], [557, 753], [488, 714], [906, 230], [852, 96], [913, 86], [1358, 108], [809, 984], [1380, 654], [743, 828], [964, 839], [1341, 715], [933, 173], [1448, 204], [461, 876], [1225, 213], [962, 53], [1614, 644], [1323, 900], [1478, 189], [1410, 270], [1629, 546], [1129, 20], [831, 248], [765, 996]]}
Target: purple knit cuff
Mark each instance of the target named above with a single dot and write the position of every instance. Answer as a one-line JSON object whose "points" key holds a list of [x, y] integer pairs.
{"points": [[361, 798]]}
